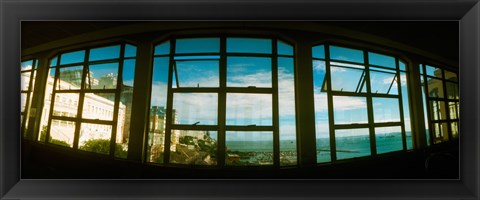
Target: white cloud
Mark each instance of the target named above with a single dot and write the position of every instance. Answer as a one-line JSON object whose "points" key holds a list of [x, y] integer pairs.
{"points": [[348, 103], [318, 66]]}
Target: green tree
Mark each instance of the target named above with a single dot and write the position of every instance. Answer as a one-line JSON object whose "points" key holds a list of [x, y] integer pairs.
{"points": [[103, 146]]}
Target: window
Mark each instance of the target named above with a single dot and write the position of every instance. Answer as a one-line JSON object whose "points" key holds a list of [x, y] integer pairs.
{"points": [[361, 103], [88, 93], [441, 103], [28, 70], [222, 102]]}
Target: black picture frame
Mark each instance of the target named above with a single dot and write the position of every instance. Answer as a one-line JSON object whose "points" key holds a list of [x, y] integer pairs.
{"points": [[467, 12]]}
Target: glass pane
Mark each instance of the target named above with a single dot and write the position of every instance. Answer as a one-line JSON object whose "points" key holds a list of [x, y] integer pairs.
{"points": [[104, 53], [70, 78], [342, 64], [66, 104], [425, 113], [454, 129], [321, 112], [99, 106], [47, 102], [402, 66], [435, 87], [124, 117], [249, 45], [54, 61], [406, 110], [25, 80], [350, 110], [197, 74], [248, 148], [452, 90], [61, 133], [95, 138], [197, 45], [388, 139], [284, 48], [318, 52], [128, 74], [286, 108], [103, 76], [451, 76], [23, 100], [158, 103], [453, 108], [421, 68], [194, 147], [437, 109], [409, 139], [26, 65], [440, 131], [72, 57], [348, 80], [381, 60], [130, 51], [249, 71], [383, 83], [163, 49], [195, 108], [352, 143], [346, 54], [386, 110], [249, 109], [180, 58], [433, 71]]}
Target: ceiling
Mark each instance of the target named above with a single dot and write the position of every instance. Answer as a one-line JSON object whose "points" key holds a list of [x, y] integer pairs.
{"points": [[438, 37]]}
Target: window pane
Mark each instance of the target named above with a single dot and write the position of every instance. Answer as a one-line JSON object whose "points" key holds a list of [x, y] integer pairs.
{"points": [[158, 103], [72, 57], [61, 133], [25, 80], [26, 65], [321, 112], [352, 143], [454, 129], [194, 147], [195, 108], [388, 139], [435, 87], [66, 104], [284, 48], [70, 78], [197, 45], [95, 138], [249, 71], [128, 74], [440, 131], [348, 80], [346, 54], [249, 109], [452, 90], [451, 76], [406, 110], [381, 60], [248, 45], [99, 106], [130, 51], [437, 109], [102, 76], [453, 108], [402, 66], [162, 49], [318, 52], [433, 71], [197, 74], [248, 148], [386, 110], [425, 117], [349, 110], [23, 100], [54, 61], [47, 103], [124, 116], [104, 53], [286, 108], [383, 83]]}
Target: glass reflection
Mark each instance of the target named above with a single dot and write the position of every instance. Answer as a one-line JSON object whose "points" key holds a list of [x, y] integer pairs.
{"points": [[435, 87], [70, 78], [452, 90], [249, 109], [195, 108], [248, 148]]}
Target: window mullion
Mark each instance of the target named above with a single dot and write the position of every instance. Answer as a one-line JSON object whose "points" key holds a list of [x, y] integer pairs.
{"points": [[222, 103]]}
